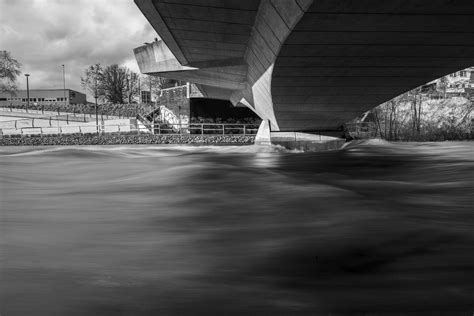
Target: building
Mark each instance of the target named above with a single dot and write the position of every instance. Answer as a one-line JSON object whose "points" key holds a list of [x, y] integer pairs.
{"points": [[457, 82], [145, 97], [43, 96]]}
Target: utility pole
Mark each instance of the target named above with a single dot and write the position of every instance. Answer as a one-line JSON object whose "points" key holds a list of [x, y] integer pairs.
{"points": [[27, 92], [64, 87]]}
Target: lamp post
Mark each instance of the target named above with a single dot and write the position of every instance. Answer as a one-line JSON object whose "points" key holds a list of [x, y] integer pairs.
{"points": [[140, 100], [96, 96], [129, 78], [64, 87], [153, 113], [139, 96], [27, 92], [149, 77]]}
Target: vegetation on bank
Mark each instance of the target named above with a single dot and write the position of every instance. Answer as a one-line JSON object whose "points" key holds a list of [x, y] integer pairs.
{"points": [[414, 116]]}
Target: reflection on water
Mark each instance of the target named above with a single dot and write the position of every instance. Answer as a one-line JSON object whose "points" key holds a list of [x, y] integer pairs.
{"points": [[376, 228]]}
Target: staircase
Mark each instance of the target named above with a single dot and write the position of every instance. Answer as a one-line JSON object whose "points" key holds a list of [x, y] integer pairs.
{"points": [[165, 121]]}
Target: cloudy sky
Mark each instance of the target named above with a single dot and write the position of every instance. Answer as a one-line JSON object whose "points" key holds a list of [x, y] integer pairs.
{"points": [[44, 34]]}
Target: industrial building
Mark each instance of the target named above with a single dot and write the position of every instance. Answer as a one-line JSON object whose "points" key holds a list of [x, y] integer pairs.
{"points": [[43, 96]]}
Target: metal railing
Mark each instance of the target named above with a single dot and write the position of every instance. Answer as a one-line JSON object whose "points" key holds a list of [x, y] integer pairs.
{"points": [[139, 128], [362, 129], [207, 128]]}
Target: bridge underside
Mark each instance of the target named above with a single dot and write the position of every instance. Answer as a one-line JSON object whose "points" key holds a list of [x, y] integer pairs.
{"points": [[307, 65]]}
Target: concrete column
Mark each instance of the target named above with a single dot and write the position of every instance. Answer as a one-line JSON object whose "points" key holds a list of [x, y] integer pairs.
{"points": [[263, 136]]}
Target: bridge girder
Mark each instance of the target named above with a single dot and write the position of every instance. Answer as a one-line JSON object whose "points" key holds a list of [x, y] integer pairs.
{"points": [[307, 65]]}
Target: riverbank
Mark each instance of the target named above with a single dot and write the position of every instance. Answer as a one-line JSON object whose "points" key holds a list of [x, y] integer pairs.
{"points": [[128, 139]]}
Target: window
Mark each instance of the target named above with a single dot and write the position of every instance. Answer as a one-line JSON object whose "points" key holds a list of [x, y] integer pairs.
{"points": [[462, 73], [3, 99]]}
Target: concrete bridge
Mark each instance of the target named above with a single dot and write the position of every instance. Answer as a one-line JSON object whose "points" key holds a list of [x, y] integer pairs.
{"points": [[307, 65]]}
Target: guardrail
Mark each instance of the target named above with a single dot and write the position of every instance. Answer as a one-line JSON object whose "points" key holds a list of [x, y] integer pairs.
{"points": [[158, 129]]}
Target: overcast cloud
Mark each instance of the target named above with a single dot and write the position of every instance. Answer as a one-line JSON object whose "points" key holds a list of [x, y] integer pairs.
{"points": [[44, 34]]}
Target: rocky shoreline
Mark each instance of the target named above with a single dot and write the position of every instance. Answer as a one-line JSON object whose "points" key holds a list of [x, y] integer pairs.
{"points": [[125, 139]]}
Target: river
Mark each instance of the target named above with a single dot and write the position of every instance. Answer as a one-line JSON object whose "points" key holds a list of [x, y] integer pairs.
{"points": [[376, 228]]}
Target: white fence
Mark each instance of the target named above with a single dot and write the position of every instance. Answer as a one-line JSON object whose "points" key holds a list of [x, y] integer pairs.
{"points": [[61, 115]]}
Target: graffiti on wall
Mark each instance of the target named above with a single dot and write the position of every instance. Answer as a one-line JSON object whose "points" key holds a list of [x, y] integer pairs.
{"points": [[169, 117]]}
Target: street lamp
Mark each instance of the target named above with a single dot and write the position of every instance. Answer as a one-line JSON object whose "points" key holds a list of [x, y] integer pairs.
{"points": [[96, 96], [27, 92], [139, 96], [140, 99], [153, 113], [129, 96]]}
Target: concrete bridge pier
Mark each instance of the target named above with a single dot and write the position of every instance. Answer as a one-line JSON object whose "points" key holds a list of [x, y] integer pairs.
{"points": [[263, 137], [296, 140]]}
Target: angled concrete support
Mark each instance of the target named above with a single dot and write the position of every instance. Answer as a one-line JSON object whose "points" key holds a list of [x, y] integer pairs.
{"points": [[263, 136]]}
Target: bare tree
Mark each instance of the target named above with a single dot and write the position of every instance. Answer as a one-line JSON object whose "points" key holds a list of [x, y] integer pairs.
{"points": [[416, 111], [132, 88], [386, 119], [92, 79], [153, 84], [443, 85], [9, 71], [114, 83]]}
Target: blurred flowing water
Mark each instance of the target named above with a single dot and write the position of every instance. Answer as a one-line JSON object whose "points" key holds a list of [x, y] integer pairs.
{"points": [[376, 228]]}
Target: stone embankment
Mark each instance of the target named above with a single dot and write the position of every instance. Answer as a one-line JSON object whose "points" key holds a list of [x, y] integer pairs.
{"points": [[125, 139]]}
